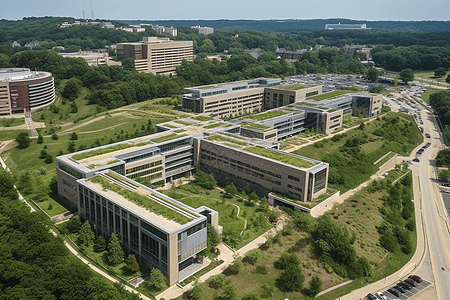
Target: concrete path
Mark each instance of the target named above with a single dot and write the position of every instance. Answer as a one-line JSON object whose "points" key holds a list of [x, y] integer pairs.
{"points": [[227, 256]]}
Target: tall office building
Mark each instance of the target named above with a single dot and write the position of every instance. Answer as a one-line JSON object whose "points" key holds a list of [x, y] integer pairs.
{"points": [[156, 55]]}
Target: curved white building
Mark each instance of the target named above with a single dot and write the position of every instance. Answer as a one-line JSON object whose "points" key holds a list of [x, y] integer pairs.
{"points": [[21, 89]]}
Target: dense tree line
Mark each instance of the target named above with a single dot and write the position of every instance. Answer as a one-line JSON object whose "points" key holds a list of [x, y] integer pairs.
{"points": [[398, 214], [36, 265], [49, 34], [440, 101], [417, 57]]}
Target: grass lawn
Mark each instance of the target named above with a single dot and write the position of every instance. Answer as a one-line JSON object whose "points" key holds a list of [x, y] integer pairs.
{"points": [[385, 159], [329, 95], [10, 122], [267, 115], [195, 196], [346, 172], [57, 208], [429, 75], [427, 93], [6, 135]]}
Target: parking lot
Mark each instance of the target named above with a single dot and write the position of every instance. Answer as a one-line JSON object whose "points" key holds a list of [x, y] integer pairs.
{"points": [[331, 82], [408, 293]]}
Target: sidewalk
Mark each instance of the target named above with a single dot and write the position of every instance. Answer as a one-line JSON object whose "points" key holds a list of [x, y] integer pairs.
{"points": [[227, 256]]}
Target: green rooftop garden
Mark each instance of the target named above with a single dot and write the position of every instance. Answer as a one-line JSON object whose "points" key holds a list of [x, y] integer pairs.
{"points": [[329, 95], [180, 130], [169, 125], [213, 125], [285, 158], [104, 151], [141, 200], [237, 136], [332, 110], [183, 122], [169, 137], [293, 87], [205, 87], [203, 118], [220, 138], [267, 115], [256, 126], [309, 104]]}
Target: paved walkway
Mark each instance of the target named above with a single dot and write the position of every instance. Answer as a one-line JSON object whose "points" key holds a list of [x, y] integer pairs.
{"points": [[227, 255]]}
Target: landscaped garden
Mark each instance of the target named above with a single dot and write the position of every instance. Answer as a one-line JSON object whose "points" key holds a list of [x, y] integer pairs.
{"points": [[351, 155]]}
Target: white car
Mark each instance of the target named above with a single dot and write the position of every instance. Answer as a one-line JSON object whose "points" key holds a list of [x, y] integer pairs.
{"points": [[381, 296]]}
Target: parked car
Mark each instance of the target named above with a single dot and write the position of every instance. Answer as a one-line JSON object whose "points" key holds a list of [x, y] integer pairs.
{"points": [[371, 297], [399, 288], [394, 292], [381, 296], [416, 160], [410, 282], [427, 135], [404, 285], [415, 278]]}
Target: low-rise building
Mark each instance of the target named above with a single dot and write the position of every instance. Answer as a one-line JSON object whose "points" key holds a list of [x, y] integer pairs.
{"points": [[344, 26], [203, 30], [94, 59]]}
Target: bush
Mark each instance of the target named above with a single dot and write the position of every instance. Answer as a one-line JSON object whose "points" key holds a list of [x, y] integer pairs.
{"points": [[217, 281], [54, 136], [292, 278], [314, 286], [236, 266], [23, 140], [287, 259], [254, 255], [262, 270]]}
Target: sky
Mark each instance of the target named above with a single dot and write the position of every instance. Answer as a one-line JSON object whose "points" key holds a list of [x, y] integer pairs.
{"points": [[374, 10]]}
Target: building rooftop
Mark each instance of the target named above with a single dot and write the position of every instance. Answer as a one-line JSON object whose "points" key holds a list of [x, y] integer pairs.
{"points": [[293, 87], [149, 204], [266, 115], [20, 74], [284, 157]]}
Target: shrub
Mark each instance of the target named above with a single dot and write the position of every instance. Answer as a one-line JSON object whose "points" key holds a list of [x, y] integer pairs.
{"points": [[236, 266], [23, 140], [287, 259], [254, 255]]}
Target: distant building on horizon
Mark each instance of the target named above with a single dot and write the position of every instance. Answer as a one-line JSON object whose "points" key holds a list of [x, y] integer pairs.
{"points": [[156, 55], [345, 26], [203, 30]]}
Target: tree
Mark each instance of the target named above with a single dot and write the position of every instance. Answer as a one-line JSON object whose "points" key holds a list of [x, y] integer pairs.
{"points": [[74, 225], [156, 281], [43, 154], [7, 189], [100, 244], [72, 89], [372, 74], [132, 263], [48, 159], [115, 252], [73, 108], [85, 236], [54, 136], [23, 140], [74, 136], [53, 185], [208, 181], [197, 292], [444, 175], [230, 190], [236, 266], [213, 236], [287, 259], [229, 293], [71, 147], [407, 75], [443, 157], [314, 286], [247, 189], [440, 72], [40, 139], [292, 278], [254, 255]]}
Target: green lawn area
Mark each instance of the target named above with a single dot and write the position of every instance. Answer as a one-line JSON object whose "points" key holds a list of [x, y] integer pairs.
{"points": [[285, 158], [429, 75], [267, 115], [329, 95], [167, 137], [57, 208], [293, 87], [427, 93], [10, 122], [351, 155], [203, 118], [385, 159], [6, 135], [195, 196]]}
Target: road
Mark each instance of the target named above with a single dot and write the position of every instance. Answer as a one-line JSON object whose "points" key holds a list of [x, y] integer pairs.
{"points": [[437, 262]]}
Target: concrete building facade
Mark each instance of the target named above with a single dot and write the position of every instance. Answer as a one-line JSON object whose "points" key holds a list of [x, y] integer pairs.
{"points": [[156, 55], [21, 90]]}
